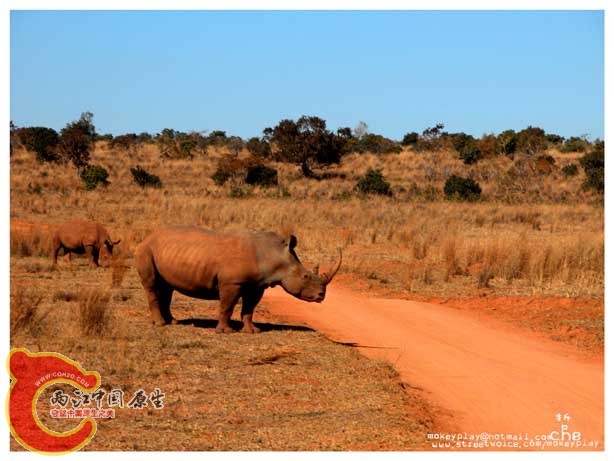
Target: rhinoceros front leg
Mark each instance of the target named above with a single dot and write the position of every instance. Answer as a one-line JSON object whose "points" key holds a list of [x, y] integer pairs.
{"points": [[251, 298], [92, 255], [229, 295]]}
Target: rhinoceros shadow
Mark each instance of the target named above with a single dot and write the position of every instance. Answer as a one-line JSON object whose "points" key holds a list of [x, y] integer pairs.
{"points": [[235, 324]]}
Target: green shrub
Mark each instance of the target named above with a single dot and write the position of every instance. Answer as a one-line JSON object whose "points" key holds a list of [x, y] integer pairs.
{"points": [[258, 147], [489, 146], [570, 170], [508, 140], [145, 179], [261, 175], [373, 182], [466, 145], [593, 164], [35, 189], [92, 175], [554, 139], [221, 175], [410, 139], [238, 192], [458, 188], [376, 144], [179, 145], [458, 140], [470, 153], [545, 164], [40, 140], [230, 167], [575, 144], [126, 142]]}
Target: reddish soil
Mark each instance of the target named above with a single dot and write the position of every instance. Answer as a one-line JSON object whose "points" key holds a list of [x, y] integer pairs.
{"points": [[569, 320], [577, 322], [490, 376]]}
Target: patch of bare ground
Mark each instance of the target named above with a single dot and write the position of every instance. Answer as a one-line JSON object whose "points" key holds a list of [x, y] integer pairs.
{"points": [[574, 321]]}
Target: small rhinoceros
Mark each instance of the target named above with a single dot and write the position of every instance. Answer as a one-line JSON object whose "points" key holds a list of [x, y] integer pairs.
{"points": [[208, 265], [81, 237]]}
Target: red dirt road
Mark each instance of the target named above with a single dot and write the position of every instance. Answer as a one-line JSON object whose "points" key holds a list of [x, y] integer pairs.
{"points": [[490, 377]]}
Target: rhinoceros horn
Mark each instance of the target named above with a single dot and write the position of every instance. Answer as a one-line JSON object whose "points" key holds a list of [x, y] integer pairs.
{"points": [[316, 269], [328, 275]]}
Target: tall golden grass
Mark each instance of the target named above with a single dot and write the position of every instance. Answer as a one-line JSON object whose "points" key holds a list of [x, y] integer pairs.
{"points": [[27, 316], [549, 242]]}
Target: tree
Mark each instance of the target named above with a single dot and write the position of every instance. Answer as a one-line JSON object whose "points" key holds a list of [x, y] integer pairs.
{"points": [[305, 142], [360, 130], [258, 147], [532, 141], [235, 144], [593, 164], [508, 140], [77, 140], [430, 139], [40, 140]]}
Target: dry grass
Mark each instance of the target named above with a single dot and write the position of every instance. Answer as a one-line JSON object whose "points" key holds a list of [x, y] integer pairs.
{"points": [[538, 246], [27, 317], [287, 388], [94, 313], [119, 268], [29, 240]]}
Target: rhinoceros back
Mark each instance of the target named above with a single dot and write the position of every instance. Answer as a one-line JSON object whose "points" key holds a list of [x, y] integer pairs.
{"points": [[196, 261]]}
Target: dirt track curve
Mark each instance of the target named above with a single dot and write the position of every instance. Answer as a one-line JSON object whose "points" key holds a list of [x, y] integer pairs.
{"points": [[490, 377]]}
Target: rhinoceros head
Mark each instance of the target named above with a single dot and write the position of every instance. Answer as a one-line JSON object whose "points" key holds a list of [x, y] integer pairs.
{"points": [[107, 247], [308, 285]]}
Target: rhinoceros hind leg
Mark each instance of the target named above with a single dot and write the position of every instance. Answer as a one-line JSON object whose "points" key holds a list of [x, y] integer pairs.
{"points": [[165, 295], [229, 295], [251, 298], [159, 306]]}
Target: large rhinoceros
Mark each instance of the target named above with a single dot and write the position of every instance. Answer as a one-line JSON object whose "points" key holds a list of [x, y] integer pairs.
{"points": [[208, 265], [81, 237]]}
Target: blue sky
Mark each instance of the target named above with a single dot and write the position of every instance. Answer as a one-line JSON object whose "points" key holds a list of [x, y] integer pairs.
{"points": [[402, 71]]}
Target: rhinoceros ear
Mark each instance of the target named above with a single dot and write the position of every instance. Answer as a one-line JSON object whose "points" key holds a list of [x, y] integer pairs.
{"points": [[292, 241]]}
